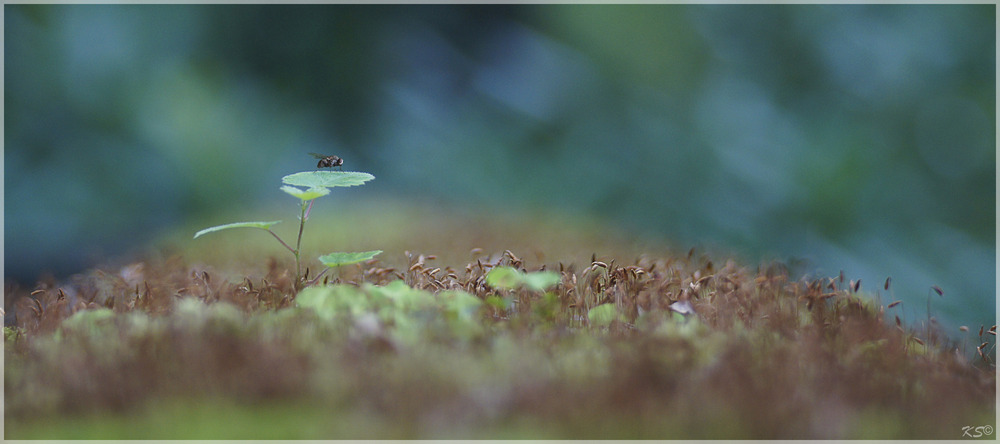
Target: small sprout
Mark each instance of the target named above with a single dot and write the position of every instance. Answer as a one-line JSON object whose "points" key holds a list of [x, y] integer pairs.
{"points": [[895, 303], [888, 280], [317, 184]]}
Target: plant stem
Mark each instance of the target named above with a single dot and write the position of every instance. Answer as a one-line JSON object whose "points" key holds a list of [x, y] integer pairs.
{"points": [[282, 242], [310, 208], [298, 244]]}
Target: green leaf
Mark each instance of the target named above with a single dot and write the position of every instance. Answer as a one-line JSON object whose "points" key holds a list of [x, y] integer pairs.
{"points": [[509, 278], [309, 194], [87, 323], [12, 334], [460, 302], [540, 280], [337, 259], [402, 296], [500, 303], [88, 318], [329, 301], [460, 311], [604, 315], [327, 179], [261, 225], [503, 277]]}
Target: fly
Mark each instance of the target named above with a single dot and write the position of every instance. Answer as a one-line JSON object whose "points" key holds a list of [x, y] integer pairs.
{"points": [[328, 161]]}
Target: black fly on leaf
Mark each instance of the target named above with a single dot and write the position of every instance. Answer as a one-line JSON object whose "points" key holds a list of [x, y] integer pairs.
{"points": [[326, 161]]}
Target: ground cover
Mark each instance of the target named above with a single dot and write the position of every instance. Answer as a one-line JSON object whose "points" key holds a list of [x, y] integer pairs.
{"points": [[411, 345]]}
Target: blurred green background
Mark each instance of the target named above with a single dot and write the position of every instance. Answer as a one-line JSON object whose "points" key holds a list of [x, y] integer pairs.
{"points": [[849, 137]]}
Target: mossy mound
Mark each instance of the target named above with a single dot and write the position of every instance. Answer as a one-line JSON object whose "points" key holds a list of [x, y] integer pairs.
{"points": [[423, 350]]}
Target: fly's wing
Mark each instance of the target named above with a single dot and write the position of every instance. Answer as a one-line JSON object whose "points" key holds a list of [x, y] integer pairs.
{"points": [[318, 156]]}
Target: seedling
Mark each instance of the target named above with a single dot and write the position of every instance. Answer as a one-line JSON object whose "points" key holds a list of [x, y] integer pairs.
{"points": [[318, 184]]}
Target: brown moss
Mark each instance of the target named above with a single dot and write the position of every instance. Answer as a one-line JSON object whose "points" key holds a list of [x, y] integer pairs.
{"points": [[791, 358]]}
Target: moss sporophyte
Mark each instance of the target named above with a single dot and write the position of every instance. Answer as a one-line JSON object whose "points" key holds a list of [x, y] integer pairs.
{"points": [[317, 184]]}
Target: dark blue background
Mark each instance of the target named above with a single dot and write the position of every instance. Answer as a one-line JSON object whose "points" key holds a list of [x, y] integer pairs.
{"points": [[854, 137]]}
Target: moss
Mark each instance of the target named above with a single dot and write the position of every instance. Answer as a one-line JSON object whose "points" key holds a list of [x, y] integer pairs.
{"points": [[415, 350]]}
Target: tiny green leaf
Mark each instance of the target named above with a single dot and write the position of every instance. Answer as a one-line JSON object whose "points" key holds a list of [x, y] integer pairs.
{"points": [[337, 259], [509, 278], [503, 277], [459, 301], [261, 225], [330, 301], [603, 315], [327, 179], [309, 194], [540, 280], [500, 303]]}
